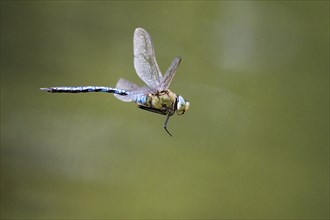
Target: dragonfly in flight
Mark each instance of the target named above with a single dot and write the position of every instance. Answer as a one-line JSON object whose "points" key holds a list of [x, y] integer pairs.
{"points": [[155, 95]]}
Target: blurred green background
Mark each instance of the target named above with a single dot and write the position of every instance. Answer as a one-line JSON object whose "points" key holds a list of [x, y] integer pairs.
{"points": [[254, 144]]}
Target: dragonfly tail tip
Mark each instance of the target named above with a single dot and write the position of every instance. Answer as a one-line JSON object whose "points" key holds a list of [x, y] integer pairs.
{"points": [[45, 89]]}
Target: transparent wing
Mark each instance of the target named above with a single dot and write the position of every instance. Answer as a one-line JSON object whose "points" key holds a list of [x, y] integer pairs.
{"points": [[144, 59], [170, 73], [132, 89], [128, 86]]}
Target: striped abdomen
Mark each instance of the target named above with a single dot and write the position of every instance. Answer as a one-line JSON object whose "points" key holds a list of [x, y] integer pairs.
{"points": [[142, 100], [82, 89]]}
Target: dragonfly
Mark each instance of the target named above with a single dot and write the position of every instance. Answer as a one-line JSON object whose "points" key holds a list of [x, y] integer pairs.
{"points": [[155, 95]]}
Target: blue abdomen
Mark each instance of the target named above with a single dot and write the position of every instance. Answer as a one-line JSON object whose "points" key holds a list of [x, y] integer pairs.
{"points": [[141, 100]]}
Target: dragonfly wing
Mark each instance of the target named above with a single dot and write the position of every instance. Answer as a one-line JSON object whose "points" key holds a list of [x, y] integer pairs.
{"points": [[170, 73], [127, 86], [144, 59]]}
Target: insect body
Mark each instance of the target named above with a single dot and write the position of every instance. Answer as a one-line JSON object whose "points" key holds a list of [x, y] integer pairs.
{"points": [[155, 95]]}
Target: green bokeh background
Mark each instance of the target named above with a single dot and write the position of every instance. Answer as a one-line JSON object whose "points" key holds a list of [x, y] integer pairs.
{"points": [[254, 144]]}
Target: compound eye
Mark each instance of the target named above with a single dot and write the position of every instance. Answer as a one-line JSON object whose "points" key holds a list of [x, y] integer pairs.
{"points": [[182, 105]]}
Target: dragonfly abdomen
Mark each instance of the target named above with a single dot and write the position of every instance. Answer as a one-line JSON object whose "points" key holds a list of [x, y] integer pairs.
{"points": [[142, 100], [83, 89]]}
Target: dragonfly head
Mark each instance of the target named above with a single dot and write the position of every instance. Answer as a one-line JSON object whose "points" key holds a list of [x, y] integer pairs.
{"points": [[181, 105]]}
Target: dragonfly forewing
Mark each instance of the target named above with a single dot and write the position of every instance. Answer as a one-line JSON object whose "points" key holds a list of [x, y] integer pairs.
{"points": [[145, 60], [170, 73]]}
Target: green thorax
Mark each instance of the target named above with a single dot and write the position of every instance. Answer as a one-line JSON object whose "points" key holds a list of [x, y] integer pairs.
{"points": [[164, 101]]}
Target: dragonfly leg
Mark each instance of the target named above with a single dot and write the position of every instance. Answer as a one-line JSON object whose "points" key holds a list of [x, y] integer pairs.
{"points": [[158, 111], [165, 124]]}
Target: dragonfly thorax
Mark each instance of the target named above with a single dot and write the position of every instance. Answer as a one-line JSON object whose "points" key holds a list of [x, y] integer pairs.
{"points": [[163, 99], [163, 102]]}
